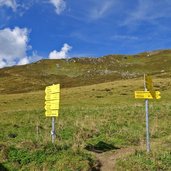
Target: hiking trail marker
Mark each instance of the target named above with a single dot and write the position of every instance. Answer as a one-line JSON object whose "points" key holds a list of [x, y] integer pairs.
{"points": [[52, 97], [147, 94]]}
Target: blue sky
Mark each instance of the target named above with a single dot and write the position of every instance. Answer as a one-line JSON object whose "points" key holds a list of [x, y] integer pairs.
{"points": [[34, 29]]}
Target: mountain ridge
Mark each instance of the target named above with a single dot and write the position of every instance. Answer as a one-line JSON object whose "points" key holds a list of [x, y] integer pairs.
{"points": [[75, 72]]}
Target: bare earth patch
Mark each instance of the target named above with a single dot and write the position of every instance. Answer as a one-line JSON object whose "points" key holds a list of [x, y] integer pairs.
{"points": [[108, 159]]}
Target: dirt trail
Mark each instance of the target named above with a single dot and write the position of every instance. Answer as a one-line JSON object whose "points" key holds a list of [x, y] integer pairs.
{"points": [[108, 159]]}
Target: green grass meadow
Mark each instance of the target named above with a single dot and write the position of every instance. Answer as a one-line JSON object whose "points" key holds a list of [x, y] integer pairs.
{"points": [[100, 113]]}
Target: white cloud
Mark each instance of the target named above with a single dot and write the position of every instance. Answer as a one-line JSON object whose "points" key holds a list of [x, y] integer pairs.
{"points": [[61, 54], [24, 61], [9, 3], [101, 9], [35, 56], [148, 11], [59, 5], [13, 46], [2, 63], [124, 37]]}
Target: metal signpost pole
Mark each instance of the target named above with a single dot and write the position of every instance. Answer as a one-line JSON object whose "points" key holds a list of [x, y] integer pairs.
{"points": [[147, 120], [53, 130], [147, 126]]}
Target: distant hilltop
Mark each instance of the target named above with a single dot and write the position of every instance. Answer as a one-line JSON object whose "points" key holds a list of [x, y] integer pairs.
{"points": [[84, 71]]}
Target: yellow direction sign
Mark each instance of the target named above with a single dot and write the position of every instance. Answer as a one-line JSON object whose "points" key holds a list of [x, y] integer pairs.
{"points": [[52, 100], [147, 95], [158, 96], [143, 95], [55, 96], [52, 89], [51, 105], [149, 84], [50, 113]]}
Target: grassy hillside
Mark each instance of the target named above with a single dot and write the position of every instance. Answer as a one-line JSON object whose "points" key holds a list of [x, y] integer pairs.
{"points": [[83, 71], [95, 118], [100, 126]]}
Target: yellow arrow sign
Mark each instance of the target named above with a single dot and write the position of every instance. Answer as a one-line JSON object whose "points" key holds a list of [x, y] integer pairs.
{"points": [[52, 113], [50, 105], [158, 96], [149, 83], [52, 102], [52, 96], [53, 89], [143, 95], [147, 95]]}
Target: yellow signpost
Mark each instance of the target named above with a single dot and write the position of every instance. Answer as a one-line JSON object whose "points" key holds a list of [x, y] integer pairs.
{"points": [[52, 97], [55, 88], [147, 94], [52, 112], [52, 105], [149, 85], [158, 95]]}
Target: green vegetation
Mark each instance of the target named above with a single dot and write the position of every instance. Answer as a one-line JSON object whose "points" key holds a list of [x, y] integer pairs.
{"points": [[48, 157], [93, 118], [89, 115], [159, 160], [83, 71]]}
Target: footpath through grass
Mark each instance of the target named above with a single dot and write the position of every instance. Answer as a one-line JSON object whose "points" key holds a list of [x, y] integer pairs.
{"points": [[91, 117]]}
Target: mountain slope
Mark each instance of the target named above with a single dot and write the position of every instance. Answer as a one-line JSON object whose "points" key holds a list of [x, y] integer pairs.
{"points": [[83, 71]]}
